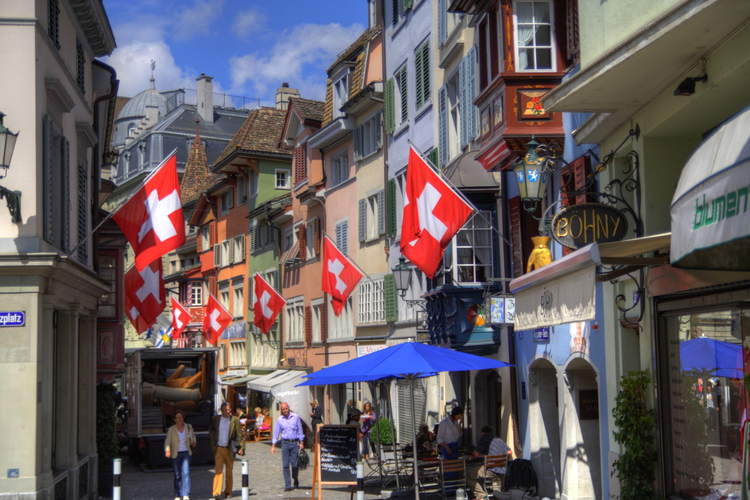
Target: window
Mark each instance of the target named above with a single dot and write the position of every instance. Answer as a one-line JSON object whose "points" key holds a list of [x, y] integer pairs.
{"points": [[339, 168], [289, 238], [53, 22], [371, 302], [458, 119], [80, 67], [340, 93], [295, 321], [242, 193], [490, 47], [341, 327], [317, 321], [282, 179], [256, 236], [534, 35], [239, 249], [300, 163], [224, 294], [447, 22], [368, 137], [237, 353], [402, 95], [227, 200], [239, 301], [196, 293], [342, 237], [473, 250], [422, 75], [226, 251], [311, 238], [372, 216], [205, 238], [399, 9]]}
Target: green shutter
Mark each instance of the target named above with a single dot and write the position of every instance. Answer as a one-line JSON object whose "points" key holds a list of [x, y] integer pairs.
{"points": [[403, 80], [418, 92], [390, 113], [408, 4], [434, 157], [391, 298], [392, 219], [381, 212], [426, 95], [362, 229]]}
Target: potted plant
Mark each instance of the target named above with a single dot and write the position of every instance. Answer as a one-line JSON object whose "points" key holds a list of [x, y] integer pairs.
{"points": [[381, 434], [107, 446]]}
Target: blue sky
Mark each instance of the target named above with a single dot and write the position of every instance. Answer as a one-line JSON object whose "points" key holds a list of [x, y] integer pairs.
{"points": [[250, 47]]}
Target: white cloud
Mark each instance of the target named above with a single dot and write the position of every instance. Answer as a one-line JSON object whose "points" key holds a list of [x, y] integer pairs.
{"points": [[197, 20], [314, 45], [248, 23]]}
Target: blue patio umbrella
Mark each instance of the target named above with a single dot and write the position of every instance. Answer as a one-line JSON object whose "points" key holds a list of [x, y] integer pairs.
{"points": [[410, 360], [711, 358]]}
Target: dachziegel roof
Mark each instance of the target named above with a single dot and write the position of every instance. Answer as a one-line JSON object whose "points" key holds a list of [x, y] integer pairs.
{"points": [[259, 134], [308, 109], [197, 177]]}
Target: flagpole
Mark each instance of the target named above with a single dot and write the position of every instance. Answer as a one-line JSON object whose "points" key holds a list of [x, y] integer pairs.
{"points": [[459, 193], [379, 285], [112, 214]]}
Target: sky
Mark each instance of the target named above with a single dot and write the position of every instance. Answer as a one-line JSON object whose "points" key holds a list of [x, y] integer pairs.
{"points": [[249, 46]]}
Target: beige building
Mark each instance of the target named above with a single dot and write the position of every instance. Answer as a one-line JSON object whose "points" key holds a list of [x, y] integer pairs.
{"points": [[57, 97]]}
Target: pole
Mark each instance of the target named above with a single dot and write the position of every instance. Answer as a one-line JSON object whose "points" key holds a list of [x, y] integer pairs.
{"points": [[117, 471], [245, 482], [360, 481], [412, 378]]}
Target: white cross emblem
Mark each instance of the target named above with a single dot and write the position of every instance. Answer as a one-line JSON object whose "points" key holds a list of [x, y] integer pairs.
{"points": [[177, 314], [133, 312], [426, 204], [150, 285], [214, 316], [335, 267], [533, 175], [158, 215], [264, 299]]}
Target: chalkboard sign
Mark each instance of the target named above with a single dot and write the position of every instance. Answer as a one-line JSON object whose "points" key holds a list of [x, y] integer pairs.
{"points": [[338, 453]]}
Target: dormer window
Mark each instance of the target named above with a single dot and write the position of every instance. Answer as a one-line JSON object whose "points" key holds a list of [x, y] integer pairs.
{"points": [[534, 36], [340, 92]]}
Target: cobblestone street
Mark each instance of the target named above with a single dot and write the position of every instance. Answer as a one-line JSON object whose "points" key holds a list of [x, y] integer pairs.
{"points": [[266, 480]]}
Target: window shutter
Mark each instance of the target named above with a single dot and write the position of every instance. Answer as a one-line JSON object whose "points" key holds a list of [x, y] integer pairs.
{"points": [[83, 214], [434, 157], [362, 220], [308, 325], [404, 81], [573, 46], [392, 216], [358, 143], [419, 91], [53, 22], [426, 94], [217, 255], [323, 323], [378, 124], [443, 125], [65, 167], [580, 175], [442, 22], [462, 103], [516, 237], [301, 237], [344, 246], [273, 279], [300, 163], [381, 212], [270, 234], [408, 4], [471, 93], [391, 298], [230, 252], [257, 236], [47, 159], [395, 12], [390, 109], [316, 241]]}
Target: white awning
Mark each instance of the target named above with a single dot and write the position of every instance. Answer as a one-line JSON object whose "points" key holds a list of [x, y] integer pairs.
{"points": [[282, 385], [711, 205], [564, 291]]}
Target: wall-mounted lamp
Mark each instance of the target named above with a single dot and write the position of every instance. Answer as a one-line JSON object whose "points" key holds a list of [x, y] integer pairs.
{"points": [[687, 87], [402, 277], [7, 145]]}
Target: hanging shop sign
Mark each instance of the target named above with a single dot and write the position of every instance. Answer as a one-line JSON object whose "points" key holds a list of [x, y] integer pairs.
{"points": [[581, 225], [12, 318], [502, 310]]}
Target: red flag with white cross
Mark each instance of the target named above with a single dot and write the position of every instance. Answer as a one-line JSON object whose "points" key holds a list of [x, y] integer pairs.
{"points": [[340, 276], [216, 320], [267, 304], [180, 318], [152, 218], [145, 295], [433, 214]]}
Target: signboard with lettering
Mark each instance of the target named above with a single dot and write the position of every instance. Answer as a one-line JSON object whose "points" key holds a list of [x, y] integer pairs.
{"points": [[337, 454], [588, 404], [541, 335], [502, 310], [581, 225], [364, 350], [12, 318]]}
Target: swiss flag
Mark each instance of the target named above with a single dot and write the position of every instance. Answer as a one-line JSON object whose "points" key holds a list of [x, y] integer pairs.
{"points": [[144, 295], [216, 320], [433, 214], [340, 276], [267, 304], [180, 318], [152, 218]]}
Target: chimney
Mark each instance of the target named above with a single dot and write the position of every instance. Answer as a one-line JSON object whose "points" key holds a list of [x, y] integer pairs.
{"points": [[205, 103], [283, 94]]}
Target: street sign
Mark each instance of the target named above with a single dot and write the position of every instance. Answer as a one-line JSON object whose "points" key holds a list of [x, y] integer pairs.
{"points": [[12, 318]]}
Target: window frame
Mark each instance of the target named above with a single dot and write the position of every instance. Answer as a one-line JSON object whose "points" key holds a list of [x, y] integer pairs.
{"points": [[226, 248], [227, 196], [310, 238], [454, 265], [196, 293], [340, 88], [337, 170], [294, 326], [371, 302], [242, 190], [317, 306], [287, 173], [341, 327], [238, 299], [224, 294], [553, 41]]}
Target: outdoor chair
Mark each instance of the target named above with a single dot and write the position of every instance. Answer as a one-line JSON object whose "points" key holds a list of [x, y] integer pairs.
{"points": [[429, 479], [452, 477], [490, 477], [265, 434]]}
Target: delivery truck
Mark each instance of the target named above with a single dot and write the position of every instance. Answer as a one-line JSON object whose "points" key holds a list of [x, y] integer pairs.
{"points": [[157, 383]]}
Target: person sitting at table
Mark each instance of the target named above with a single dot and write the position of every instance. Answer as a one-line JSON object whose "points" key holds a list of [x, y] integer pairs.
{"points": [[424, 438], [449, 432], [487, 444], [260, 420]]}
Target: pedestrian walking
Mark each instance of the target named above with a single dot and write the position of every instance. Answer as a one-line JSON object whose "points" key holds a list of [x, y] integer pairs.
{"points": [[178, 446], [316, 417], [227, 439], [368, 422], [289, 431]]}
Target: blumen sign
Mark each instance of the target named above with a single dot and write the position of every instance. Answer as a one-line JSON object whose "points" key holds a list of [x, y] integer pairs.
{"points": [[12, 318]]}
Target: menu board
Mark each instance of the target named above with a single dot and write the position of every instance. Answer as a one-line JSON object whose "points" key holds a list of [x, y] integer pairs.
{"points": [[339, 452]]}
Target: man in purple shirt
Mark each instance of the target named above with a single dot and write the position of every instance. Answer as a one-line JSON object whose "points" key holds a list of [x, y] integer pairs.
{"points": [[289, 431]]}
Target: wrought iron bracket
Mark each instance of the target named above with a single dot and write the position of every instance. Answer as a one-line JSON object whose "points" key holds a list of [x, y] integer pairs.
{"points": [[420, 304], [13, 199]]}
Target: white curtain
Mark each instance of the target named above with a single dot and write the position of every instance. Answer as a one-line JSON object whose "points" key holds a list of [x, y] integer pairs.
{"points": [[525, 28]]}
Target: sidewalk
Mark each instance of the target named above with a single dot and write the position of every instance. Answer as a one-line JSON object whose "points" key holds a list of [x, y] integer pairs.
{"points": [[265, 478]]}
